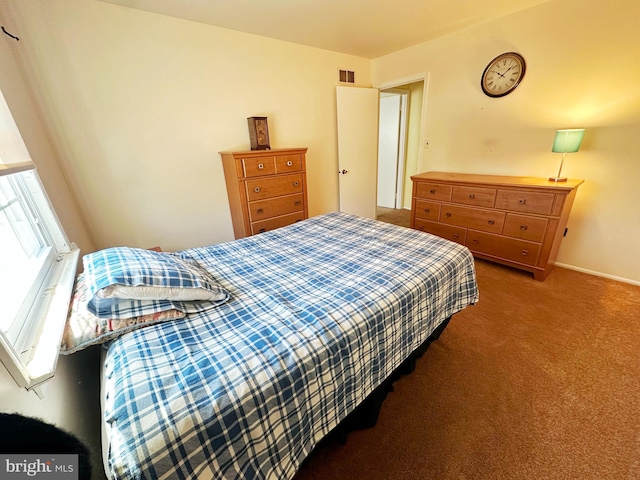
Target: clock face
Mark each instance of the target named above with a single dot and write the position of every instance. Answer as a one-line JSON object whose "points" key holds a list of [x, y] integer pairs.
{"points": [[503, 74]]}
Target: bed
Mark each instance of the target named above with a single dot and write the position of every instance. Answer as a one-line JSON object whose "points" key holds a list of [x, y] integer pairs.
{"points": [[318, 315]]}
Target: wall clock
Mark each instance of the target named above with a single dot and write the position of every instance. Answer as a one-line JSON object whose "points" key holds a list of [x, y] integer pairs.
{"points": [[503, 74]]}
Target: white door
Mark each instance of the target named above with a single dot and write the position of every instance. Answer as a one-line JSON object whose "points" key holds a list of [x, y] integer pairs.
{"points": [[357, 149]]}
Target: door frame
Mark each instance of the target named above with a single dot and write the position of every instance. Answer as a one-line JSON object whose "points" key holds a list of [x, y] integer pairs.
{"points": [[418, 77]]}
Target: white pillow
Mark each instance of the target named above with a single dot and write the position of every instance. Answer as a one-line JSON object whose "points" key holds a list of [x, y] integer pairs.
{"points": [[147, 292]]}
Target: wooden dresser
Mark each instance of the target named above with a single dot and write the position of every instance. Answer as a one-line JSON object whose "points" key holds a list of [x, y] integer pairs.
{"points": [[516, 221], [267, 189]]}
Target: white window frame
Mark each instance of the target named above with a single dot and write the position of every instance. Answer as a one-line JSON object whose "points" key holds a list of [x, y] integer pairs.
{"points": [[30, 349]]}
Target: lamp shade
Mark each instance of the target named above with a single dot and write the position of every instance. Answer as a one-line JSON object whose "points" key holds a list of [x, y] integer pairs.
{"points": [[568, 141]]}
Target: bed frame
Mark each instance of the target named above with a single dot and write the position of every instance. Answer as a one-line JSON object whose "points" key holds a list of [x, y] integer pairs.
{"points": [[366, 414]]}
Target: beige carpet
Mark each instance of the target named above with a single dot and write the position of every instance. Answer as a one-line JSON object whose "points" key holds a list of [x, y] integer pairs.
{"points": [[539, 380], [396, 216]]}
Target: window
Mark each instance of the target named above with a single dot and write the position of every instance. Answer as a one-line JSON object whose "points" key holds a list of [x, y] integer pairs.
{"points": [[37, 265]]}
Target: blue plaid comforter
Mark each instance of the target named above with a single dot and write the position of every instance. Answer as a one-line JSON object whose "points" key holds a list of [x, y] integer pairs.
{"points": [[320, 313]]}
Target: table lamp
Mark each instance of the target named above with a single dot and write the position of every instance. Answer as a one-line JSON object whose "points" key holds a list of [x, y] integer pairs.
{"points": [[566, 141]]}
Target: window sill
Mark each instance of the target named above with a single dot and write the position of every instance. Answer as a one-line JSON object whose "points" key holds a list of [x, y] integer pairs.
{"points": [[52, 309]]}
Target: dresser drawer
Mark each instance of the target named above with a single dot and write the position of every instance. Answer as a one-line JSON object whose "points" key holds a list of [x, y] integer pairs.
{"points": [[262, 188], [276, 222], [525, 227], [427, 210], [433, 191], [481, 197], [519, 251], [257, 167], [274, 207], [449, 232], [523, 201], [288, 163], [476, 218]]}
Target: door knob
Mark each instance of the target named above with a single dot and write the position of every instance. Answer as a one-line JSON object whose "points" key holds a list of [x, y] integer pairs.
{"points": [[343, 171]]}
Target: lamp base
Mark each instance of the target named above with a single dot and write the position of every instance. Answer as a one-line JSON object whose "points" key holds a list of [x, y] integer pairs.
{"points": [[557, 179]]}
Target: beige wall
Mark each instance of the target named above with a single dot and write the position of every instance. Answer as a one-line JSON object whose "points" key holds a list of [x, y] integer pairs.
{"points": [[582, 71], [28, 119], [142, 103]]}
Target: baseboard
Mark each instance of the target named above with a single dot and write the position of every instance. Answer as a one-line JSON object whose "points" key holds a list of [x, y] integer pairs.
{"points": [[598, 274]]}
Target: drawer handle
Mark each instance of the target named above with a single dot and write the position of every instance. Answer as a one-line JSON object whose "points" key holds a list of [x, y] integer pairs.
{"points": [[295, 184], [525, 252], [455, 236], [524, 228], [262, 230], [472, 196], [522, 201], [259, 210], [448, 214], [475, 240], [492, 222], [260, 166], [421, 228], [432, 191], [298, 202], [289, 163], [257, 189], [426, 210]]}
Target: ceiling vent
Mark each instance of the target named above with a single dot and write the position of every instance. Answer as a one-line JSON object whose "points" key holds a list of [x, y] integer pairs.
{"points": [[346, 76]]}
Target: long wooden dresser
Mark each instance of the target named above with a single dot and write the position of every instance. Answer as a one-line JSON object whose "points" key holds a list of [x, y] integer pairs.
{"points": [[516, 221], [267, 189]]}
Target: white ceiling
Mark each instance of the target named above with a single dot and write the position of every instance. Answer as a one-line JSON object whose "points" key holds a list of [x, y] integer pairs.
{"points": [[365, 28]]}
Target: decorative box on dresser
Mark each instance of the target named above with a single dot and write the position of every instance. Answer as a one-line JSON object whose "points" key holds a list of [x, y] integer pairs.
{"points": [[516, 221], [267, 189]]}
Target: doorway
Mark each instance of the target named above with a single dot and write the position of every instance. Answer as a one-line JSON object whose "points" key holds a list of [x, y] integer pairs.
{"points": [[400, 118], [358, 124], [392, 142]]}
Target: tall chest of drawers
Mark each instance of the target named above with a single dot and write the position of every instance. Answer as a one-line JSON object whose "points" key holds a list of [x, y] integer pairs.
{"points": [[516, 221], [267, 189]]}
